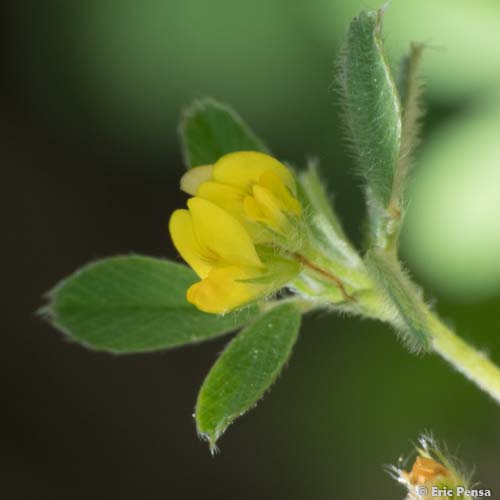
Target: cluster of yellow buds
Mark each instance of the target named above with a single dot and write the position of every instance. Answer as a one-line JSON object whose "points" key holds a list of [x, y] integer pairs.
{"points": [[243, 211]]}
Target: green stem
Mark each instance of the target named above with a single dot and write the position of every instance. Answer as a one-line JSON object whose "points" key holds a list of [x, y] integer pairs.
{"points": [[353, 289], [472, 363], [418, 320], [467, 360]]}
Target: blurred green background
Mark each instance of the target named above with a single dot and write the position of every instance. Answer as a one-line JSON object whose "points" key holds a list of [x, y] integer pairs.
{"points": [[91, 94]]}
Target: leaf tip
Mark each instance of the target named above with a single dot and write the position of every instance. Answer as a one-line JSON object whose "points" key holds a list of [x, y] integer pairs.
{"points": [[382, 10], [211, 438], [45, 312]]}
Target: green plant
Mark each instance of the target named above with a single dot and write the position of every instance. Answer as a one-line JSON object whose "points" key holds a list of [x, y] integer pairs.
{"points": [[275, 250]]}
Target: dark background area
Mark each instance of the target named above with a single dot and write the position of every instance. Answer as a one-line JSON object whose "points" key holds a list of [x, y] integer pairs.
{"points": [[90, 96]]}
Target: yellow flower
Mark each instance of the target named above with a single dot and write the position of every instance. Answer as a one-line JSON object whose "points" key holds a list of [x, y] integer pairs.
{"points": [[221, 252], [255, 188], [245, 199]]}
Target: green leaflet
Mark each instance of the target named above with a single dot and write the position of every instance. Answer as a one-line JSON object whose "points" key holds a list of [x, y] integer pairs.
{"points": [[209, 130], [371, 105], [133, 304], [245, 370], [402, 297]]}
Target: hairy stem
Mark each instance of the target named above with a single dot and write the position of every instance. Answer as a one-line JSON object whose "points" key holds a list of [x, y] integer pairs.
{"points": [[365, 298], [472, 363]]}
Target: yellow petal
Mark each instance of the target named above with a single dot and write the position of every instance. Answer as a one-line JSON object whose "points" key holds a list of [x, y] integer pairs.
{"points": [[253, 209], [268, 208], [194, 177], [272, 182], [220, 234], [183, 237], [221, 291], [244, 168], [229, 198]]}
